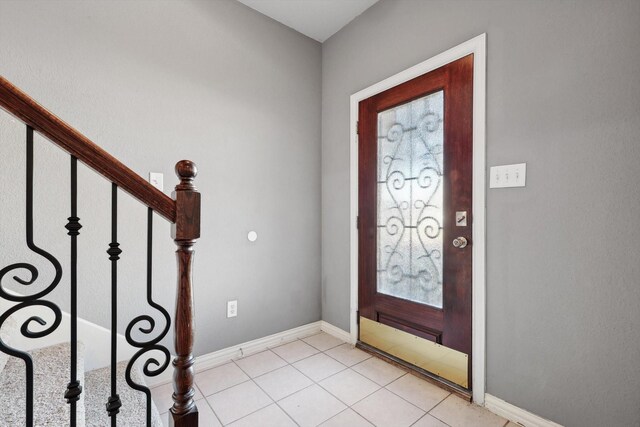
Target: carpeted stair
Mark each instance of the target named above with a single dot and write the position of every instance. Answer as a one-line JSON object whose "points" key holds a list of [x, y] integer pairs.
{"points": [[134, 403], [51, 376]]}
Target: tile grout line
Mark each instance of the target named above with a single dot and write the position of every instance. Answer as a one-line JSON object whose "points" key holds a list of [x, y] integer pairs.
{"points": [[396, 394], [295, 361], [226, 388], [322, 379], [325, 352], [311, 379], [278, 405], [439, 403], [429, 415], [314, 382], [357, 373], [212, 411], [254, 354], [207, 401], [344, 410], [274, 401]]}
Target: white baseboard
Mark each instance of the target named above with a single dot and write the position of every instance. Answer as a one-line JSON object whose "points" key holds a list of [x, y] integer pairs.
{"points": [[336, 332], [208, 361], [515, 414]]}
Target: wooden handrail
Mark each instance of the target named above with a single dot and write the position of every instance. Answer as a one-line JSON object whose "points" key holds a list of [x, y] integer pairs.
{"points": [[22, 106]]}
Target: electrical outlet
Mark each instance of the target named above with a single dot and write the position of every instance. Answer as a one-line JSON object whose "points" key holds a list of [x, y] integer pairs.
{"points": [[232, 308], [157, 180], [508, 176]]}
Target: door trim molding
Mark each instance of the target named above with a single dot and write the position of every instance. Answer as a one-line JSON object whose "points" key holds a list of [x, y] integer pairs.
{"points": [[477, 47]]}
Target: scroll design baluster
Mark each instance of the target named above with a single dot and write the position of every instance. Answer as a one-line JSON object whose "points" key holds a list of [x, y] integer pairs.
{"points": [[24, 301], [114, 404], [152, 344]]}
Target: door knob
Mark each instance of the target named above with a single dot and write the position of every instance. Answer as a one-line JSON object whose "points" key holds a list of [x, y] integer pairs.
{"points": [[460, 242]]}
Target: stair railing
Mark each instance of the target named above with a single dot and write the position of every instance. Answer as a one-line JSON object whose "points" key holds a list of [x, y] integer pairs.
{"points": [[183, 211]]}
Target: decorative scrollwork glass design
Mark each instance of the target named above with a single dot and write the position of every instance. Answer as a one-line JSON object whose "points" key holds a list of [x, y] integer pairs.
{"points": [[410, 200]]}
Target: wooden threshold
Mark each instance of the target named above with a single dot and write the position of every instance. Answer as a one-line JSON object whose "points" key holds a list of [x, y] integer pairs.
{"points": [[419, 372]]}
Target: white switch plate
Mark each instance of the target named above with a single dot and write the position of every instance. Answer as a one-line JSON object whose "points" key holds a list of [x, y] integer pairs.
{"points": [[232, 308], [157, 180], [508, 176]]}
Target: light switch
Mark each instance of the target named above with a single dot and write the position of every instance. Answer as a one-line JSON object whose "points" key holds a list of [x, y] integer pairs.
{"points": [[157, 180], [508, 176]]}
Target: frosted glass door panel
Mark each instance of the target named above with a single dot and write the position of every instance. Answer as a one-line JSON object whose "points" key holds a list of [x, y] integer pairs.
{"points": [[409, 207]]}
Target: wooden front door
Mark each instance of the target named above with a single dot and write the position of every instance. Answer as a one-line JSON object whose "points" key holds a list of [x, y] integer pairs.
{"points": [[415, 219]]}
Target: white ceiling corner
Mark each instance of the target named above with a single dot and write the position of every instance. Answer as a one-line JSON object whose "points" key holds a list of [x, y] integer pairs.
{"points": [[318, 19]]}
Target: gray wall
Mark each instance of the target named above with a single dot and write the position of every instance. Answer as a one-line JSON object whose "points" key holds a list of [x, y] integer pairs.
{"points": [[153, 83], [563, 284]]}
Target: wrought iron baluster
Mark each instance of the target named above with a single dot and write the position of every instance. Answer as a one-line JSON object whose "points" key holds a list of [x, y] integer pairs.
{"points": [[152, 344], [74, 389], [114, 251], [25, 301]]}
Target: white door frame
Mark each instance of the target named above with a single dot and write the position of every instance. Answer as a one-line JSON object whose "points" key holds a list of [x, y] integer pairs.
{"points": [[477, 47]]}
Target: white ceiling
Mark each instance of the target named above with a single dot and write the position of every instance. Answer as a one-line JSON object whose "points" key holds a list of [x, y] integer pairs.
{"points": [[318, 19]]}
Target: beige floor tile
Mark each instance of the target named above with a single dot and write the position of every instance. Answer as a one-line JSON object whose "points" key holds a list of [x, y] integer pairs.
{"points": [[347, 418], [294, 351], [459, 413], [417, 391], [311, 406], [384, 409], [271, 416], [429, 421], [378, 371], [161, 396], [219, 378], [348, 354], [206, 417], [319, 367], [260, 363], [349, 386], [283, 382], [323, 341], [238, 401]]}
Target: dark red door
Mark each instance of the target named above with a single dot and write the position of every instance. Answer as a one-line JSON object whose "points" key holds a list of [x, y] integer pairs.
{"points": [[415, 176]]}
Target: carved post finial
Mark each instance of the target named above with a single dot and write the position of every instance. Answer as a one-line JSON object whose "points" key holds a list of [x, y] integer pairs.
{"points": [[186, 171]]}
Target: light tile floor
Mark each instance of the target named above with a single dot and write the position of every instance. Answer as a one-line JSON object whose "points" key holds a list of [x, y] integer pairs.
{"points": [[321, 381]]}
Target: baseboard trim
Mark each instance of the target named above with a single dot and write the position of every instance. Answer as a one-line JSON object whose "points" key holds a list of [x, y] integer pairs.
{"points": [[216, 358], [336, 332], [515, 414]]}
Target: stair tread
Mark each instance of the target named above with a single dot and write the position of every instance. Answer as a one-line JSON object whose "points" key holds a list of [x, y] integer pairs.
{"points": [[134, 403], [50, 379]]}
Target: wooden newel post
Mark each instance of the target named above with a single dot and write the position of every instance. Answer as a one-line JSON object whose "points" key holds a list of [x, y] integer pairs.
{"points": [[185, 231]]}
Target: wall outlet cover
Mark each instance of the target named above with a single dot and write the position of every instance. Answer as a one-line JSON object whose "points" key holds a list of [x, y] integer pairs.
{"points": [[232, 308]]}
